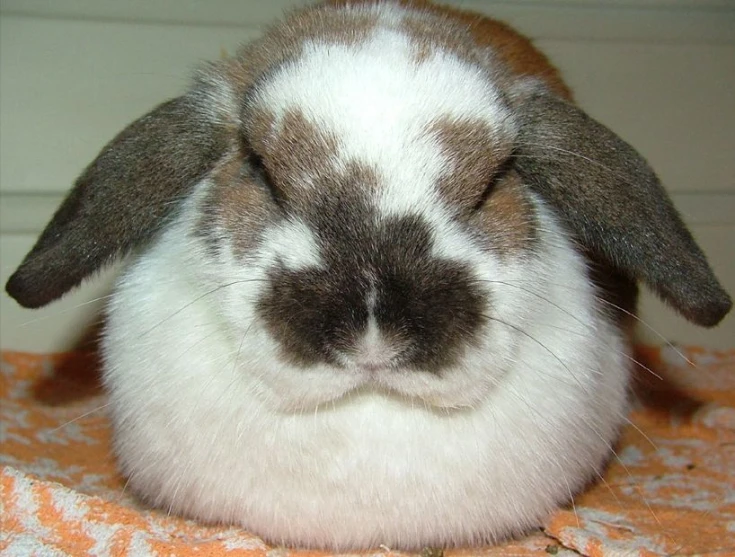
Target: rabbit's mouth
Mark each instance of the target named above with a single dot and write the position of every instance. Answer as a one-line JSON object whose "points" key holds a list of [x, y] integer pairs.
{"points": [[477, 373]]}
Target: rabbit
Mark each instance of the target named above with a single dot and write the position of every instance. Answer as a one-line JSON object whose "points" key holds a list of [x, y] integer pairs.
{"points": [[383, 272]]}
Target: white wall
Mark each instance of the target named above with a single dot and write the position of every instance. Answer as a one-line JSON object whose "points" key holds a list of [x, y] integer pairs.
{"points": [[661, 73]]}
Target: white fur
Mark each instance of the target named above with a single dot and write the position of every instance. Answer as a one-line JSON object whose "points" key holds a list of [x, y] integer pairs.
{"points": [[291, 243], [211, 422], [202, 428], [378, 101]]}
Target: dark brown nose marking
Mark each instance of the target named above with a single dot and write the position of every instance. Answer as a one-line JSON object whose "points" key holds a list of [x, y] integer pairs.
{"points": [[431, 306]]}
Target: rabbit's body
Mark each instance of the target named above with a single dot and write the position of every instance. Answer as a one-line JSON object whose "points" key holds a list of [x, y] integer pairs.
{"points": [[241, 445], [383, 284]]}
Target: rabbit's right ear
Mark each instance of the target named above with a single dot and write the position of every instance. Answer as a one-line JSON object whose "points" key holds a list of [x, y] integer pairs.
{"points": [[127, 194], [613, 202]]}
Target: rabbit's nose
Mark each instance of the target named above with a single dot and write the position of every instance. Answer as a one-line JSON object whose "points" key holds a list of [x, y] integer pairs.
{"points": [[373, 350]]}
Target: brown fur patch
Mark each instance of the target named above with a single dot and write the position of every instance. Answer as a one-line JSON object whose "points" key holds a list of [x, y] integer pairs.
{"points": [[317, 312], [302, 160], [296, 151], [258, 129], [429, 34], [285, 40], [355, 179], [299, 150], [474, 153], [452, 26], [238, 204], [430, 26], [515, 50], [508, 218], [298, 155]]}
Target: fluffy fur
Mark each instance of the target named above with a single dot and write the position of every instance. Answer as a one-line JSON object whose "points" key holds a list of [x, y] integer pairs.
{"points": [[369, 454], [218, 427], [383, 277]]}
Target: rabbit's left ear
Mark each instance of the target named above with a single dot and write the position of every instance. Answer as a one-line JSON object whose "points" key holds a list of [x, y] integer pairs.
{"points": [[127, 194], [615, 205]]}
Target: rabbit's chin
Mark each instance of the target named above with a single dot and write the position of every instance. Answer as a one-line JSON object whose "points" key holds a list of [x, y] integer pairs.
{"points": [[326, 458]]}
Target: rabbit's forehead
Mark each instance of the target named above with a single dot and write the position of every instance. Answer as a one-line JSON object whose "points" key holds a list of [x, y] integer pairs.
{"points": [[412, 115]]}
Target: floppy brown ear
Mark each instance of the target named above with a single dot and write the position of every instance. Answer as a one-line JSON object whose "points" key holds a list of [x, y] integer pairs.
{"points": [[128, 192], [614, 203]]}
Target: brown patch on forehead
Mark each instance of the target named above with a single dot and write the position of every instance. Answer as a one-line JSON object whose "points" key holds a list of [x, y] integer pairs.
{"points": [[344, 192], [474, 153], [299, 150], [296, 152], [337, 194], [236, 209], [302, 160], [507, 220], [467, 35]]}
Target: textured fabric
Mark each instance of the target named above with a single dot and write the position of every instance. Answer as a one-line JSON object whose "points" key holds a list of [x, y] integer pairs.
{"points": [[670, 489]]}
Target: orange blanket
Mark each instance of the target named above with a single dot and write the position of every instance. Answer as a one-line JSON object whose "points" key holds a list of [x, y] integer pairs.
{"points": [[669, 491]]}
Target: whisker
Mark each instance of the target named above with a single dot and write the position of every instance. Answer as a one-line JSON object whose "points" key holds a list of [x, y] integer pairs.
{"points": [[242, 341], [63, 311], [668, 343], [640, 431], [597, 472], [630, 314], [598, 164], [610, 447], [80, 417], [571, 500], [124, 489], [104, 298], [630, 475], [541, 344], [195, 300]]}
